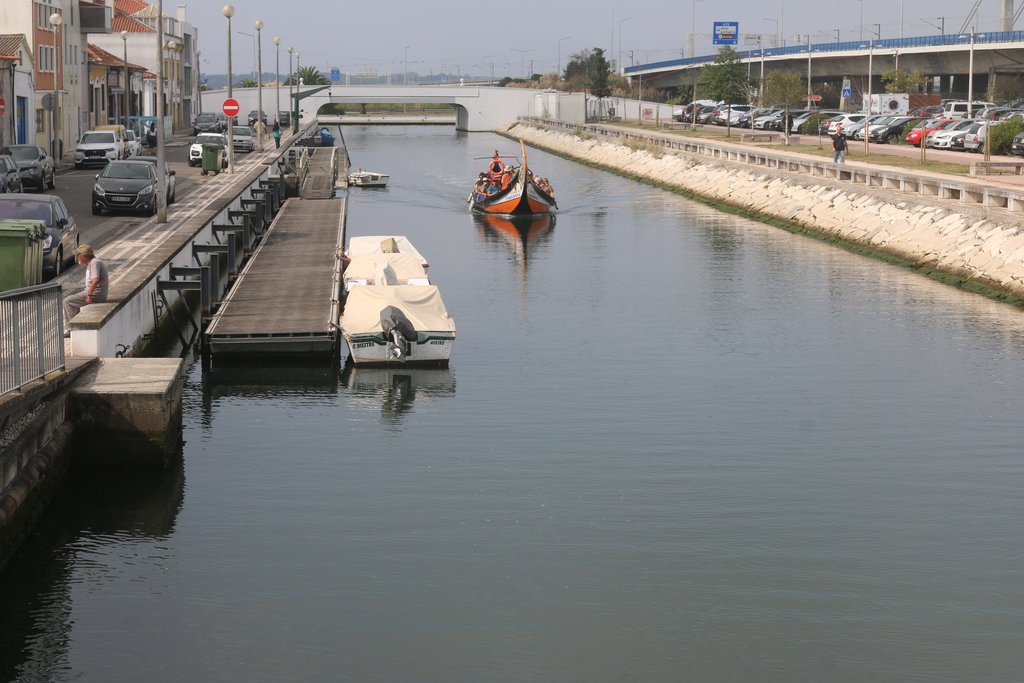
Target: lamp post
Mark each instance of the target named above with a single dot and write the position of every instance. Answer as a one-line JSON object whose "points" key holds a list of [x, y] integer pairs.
{"points": [[277, 77], [127, 82], [809, 52], [253, 36], [55, 21], [560, 55], [522, 58], [861, 20], [291, 77], [229, 11], [618, 55], [693, 25], [161, 161], [405, 79], [866, 130], [970, 79], [262, 125], [760, 47]]}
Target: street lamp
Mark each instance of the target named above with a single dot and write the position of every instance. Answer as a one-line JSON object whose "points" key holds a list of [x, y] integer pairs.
{"points": [[277, 77], [522, 58], [261, 124], [291, 102], [229, 11], [243, 33], [861, 22], [560, 55], [127, 81], [693, 26], [161, 161], [618, 54], [55, 21]]}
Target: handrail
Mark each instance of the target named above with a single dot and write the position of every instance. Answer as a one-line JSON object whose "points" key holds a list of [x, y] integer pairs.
{"points": [[31, 334], [961, 39]]}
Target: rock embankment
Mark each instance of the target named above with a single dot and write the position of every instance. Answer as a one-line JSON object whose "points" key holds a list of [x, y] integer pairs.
{"points": [[976, 247]]}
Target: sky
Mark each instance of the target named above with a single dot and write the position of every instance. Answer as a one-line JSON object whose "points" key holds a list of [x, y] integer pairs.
{"points": [[444, 36]]}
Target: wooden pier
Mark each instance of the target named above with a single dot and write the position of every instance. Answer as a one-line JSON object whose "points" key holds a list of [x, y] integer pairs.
{"points": [[285, 303]]}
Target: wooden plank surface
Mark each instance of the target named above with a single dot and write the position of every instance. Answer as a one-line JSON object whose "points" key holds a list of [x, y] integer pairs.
{"points": [[288, 286]]}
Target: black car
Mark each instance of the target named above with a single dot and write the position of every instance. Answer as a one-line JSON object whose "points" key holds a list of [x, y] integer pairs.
{"points": [[127, 185], [61, 228], [209, 123], [252, 117], [891, 132], [10, 177], [1018, 145], [35, 166], [285, 119]]}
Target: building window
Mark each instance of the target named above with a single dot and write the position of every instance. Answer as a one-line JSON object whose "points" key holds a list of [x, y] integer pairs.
{"points": [[40, 120], [43, 12]]}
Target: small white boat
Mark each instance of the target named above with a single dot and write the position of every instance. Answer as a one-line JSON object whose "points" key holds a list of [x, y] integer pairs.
{"points": [[383, 244], [363, 178], [409, 324], [384, 269]]}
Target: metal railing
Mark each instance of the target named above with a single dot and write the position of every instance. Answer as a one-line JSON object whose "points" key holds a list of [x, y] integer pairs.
{"points": [[31, 334]]}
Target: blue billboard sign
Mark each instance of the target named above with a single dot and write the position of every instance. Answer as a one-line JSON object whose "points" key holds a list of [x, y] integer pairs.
{"points": [[726, 33], [335, 75]]}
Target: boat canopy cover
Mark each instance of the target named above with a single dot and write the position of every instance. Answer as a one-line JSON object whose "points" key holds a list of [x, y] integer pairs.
{"points": [[421, 304], [377, 244], [366, 267]]}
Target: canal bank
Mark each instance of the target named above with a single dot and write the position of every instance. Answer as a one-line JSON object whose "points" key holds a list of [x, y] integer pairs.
{"points": [[957, 230]]}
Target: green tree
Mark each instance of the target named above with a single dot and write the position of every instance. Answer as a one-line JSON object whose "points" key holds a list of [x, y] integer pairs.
{"points": [[897, 80], [588, 70], [726, 79], [310, 75], [784, 88], [246, 83]]}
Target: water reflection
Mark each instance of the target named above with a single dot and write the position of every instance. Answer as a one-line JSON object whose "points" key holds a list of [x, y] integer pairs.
{"points": [[102, 529], [522, 234], [395, 390]]}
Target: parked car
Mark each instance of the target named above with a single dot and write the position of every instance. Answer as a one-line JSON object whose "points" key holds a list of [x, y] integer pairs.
{"points": [[172, 189], [846, 120], [940, 138], [959, 109], [243, 139], [209, 123], [729, 114], [10, 176], [35, 166], [705, 113], [195, 151], [768, 121], [98, 147], [974, 141], [855, 131], [285, 118], [132, 144], [889, 132], [129, 185], [922, 129], [61, 229], [252, 117], [1017, 146], [799, 121]]}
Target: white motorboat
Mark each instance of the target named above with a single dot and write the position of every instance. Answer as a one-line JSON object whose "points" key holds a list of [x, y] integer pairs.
{"points": [[388, 324], [384, 269], [363, 178], [383, 244]]}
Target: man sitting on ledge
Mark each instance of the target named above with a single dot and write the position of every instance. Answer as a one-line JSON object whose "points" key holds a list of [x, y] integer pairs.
{"points": [[96, 283]]}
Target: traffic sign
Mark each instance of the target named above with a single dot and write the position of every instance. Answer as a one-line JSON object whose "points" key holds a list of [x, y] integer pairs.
{"points": [[726, 32], [3, 106], [230, 107], [847, 92]]}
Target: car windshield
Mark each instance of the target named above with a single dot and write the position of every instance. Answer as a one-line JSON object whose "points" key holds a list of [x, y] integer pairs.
{"points": [[24, 153], [20, 209], [206, 118], [127, 171], [209, 140], [129, 135], [94, 138], [242, 131]]}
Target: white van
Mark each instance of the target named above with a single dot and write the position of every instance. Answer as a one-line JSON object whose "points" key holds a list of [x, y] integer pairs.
{"points": [[958, 109]]}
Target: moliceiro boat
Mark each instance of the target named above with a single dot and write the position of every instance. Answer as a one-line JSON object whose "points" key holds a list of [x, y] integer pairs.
{"points": [[509, 190], [386, 324]]}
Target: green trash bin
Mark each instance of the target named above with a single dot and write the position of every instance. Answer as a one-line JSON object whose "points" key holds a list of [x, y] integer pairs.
{"points": [[211, 158], [21, 253]]}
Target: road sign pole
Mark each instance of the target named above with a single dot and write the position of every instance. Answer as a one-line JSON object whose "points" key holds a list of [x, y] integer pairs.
{"points": [[230, 107]]}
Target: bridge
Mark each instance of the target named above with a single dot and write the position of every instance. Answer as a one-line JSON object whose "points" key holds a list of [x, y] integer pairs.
{"points": [[949, 57], [477, 108]]}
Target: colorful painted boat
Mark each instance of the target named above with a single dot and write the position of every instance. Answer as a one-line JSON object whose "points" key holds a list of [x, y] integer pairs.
{"points": [[517, 191]]}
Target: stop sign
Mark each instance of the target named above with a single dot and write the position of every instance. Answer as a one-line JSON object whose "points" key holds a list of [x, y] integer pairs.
{"points": [[3, 106], [230, 107]]}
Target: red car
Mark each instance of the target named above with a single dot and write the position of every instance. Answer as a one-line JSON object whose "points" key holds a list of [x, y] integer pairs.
{"points": [[922, 129]]}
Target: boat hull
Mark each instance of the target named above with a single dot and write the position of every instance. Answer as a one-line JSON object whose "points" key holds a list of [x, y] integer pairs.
{"points": [[431, 349]]}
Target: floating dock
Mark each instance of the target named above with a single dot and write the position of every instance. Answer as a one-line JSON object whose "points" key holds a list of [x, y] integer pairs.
{"points": [[286, 301]]}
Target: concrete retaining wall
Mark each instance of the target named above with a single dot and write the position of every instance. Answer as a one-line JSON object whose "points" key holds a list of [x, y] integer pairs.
{"points": [[982, 246]]}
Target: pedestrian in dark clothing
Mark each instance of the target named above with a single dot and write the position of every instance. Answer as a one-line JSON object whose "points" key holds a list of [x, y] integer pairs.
{"points": [[839, 145], [151, 135], [277, 133]]}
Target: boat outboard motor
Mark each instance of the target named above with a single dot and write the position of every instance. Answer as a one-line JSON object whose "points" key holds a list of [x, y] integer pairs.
{"points": [[398, 331]]}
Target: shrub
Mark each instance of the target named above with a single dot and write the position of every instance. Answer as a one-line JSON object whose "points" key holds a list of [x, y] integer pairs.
{"points": [[1001, 136], [813, 122]]}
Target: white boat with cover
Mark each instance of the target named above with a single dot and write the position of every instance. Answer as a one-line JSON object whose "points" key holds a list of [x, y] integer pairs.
{"points": [[384, 269], [386, 324], [363, 178], [383, 244]]}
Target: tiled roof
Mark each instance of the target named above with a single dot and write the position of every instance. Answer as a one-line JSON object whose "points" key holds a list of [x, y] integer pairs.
{"points": [[129, 6], [10, 43], [125, 23], [98, 55]]}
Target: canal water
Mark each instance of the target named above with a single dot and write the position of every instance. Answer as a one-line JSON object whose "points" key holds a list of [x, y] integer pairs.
{"points": [[673, 444]]}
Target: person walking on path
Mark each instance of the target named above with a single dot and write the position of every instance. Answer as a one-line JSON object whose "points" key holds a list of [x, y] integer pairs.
{"points": [[839, 145], [259, 128], [277, 133], [96, 284]]}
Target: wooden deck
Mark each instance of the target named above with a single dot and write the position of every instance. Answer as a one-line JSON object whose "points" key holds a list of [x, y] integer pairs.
{"points": [[285, 301]]}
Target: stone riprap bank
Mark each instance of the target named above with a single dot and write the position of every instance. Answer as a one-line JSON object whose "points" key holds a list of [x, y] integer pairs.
{"points": [[975, 246]]}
